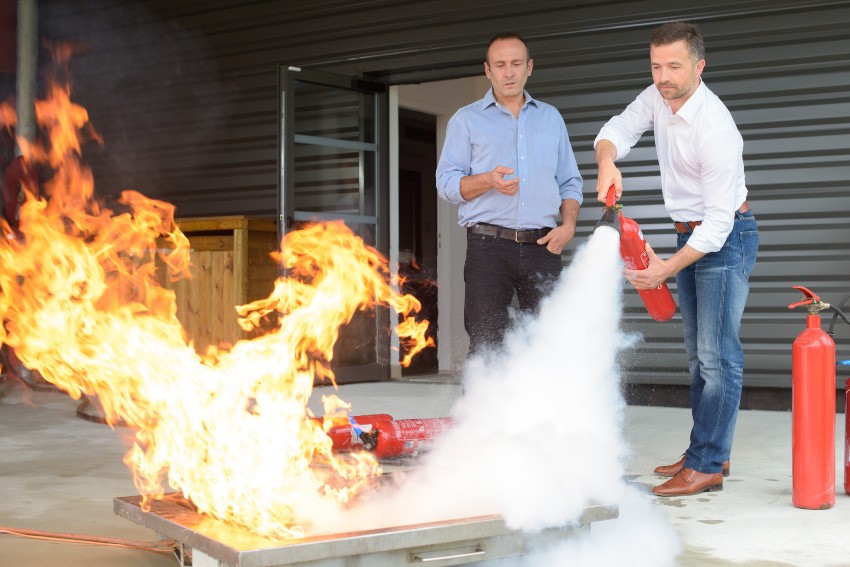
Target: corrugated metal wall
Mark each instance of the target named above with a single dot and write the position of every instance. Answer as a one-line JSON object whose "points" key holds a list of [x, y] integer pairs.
{"points": [[184, 93]]}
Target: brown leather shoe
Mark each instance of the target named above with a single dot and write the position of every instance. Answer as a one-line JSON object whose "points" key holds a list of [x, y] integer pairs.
{"points": [[688, 482], [672, 470]]}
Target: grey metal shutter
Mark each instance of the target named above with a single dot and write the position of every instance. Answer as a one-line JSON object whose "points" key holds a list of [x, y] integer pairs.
{"points": [[187, 94]]}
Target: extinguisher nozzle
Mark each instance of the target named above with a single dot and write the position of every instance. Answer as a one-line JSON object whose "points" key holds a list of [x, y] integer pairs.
{"points": [[610, 218]]}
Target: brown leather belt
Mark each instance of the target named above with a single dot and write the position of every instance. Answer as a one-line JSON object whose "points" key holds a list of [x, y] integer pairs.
{"points": [[519, 236], [683, 227]]}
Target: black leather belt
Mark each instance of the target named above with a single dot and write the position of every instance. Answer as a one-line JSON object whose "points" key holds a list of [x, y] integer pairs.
{"points": [[519, 236]]}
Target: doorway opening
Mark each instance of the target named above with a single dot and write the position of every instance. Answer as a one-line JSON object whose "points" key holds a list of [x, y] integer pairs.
{"points": [[417, 224]]}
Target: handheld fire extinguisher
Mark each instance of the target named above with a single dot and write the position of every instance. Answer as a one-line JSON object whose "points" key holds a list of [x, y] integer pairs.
{"points": [[658, 301], [813, 410]]}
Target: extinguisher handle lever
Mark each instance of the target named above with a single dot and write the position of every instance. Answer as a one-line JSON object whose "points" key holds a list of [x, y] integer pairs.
{"points": [[811, 299], [807, 293]]}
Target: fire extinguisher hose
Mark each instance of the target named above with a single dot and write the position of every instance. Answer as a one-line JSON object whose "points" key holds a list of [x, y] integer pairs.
{"points": [[838, 313]]}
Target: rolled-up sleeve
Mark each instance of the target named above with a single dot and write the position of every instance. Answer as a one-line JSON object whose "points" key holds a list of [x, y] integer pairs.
{"points": [[455, 160], [625, 129]]}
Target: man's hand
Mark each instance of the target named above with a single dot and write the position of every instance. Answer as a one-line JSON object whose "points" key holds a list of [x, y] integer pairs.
{"points": [[557, 238], [609, 174], [654, 275], [502, 185], [472, 186], [560, 236]]}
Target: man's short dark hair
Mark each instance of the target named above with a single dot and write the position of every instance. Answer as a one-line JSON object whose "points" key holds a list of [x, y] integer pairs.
{"points": [[503, 36], [672, 32]]}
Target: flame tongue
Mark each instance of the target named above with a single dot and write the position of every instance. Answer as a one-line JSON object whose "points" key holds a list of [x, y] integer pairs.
{"points": [[83, 306]]}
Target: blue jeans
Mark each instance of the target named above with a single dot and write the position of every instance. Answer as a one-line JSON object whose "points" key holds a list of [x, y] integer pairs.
{"points": [[712, 293], [495, 268]]}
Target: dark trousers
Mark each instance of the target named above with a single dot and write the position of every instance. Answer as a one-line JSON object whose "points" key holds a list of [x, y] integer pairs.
{"points": [[496, 268]]}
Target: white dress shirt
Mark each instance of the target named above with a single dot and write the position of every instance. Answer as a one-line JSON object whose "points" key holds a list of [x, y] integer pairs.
{"points": [[700, 154]]}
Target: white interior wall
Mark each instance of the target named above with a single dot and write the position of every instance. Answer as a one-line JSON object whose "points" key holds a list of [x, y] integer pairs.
{"points": [[442, 99]]}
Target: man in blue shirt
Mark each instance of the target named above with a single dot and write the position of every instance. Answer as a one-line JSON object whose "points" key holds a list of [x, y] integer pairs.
{"points": [[507, 162]]}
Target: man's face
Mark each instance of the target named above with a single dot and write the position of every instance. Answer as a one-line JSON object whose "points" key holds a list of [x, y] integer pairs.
{"points": [[508, 68], [674, 72]]}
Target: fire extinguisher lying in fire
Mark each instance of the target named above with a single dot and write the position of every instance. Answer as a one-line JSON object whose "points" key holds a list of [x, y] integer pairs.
{"points": [[385, 437], [658, 301]]}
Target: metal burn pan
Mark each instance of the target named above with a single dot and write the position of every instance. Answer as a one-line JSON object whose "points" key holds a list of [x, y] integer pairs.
{"points": [[436, 544]]}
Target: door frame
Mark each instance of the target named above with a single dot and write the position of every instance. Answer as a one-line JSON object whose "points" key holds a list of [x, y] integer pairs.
{"points": [[287, 215]]}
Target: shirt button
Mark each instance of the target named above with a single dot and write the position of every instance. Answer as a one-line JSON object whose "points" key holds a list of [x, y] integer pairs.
{"points": [[522, 157]]}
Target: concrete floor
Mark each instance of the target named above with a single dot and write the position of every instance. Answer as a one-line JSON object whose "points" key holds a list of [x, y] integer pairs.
{"points": [[60, 473]]}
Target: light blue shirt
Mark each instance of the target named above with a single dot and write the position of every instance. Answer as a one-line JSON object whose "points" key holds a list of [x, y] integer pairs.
{"points": [[483, 135]]}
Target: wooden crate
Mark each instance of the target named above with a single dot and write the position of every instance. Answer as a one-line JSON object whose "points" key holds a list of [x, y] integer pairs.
{"points": [[230, 266]]}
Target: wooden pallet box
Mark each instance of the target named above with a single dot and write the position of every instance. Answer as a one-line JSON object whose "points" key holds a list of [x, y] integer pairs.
{"points": [[231, 265]]}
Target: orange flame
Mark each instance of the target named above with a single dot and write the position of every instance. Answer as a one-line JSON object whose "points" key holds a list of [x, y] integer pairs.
{"points": [[82, 305]]}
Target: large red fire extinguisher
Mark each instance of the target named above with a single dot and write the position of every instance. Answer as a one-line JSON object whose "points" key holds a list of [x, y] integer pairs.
{"points": [[813, 410], [658, 301], [404, 437]]}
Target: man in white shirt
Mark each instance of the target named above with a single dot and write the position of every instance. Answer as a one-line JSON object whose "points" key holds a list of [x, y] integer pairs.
{"points": [[702, 181]]}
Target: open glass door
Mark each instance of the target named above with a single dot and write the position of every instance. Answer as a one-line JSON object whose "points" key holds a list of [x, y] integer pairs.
{"points": [[333, 166]]}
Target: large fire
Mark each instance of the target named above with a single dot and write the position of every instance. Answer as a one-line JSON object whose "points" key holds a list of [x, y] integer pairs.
{"points": [[82, 304]]}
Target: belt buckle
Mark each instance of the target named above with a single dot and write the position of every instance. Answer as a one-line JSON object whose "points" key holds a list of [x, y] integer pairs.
{"points": [[516, 235]]}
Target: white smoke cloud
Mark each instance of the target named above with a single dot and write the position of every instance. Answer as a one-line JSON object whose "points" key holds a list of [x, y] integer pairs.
{"points": [[538, 432]]}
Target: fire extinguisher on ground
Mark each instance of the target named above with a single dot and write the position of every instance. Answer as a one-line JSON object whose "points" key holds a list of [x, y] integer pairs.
{"points": [[346, 433], [843, 365], [404, 437], [813, 409], [846, 431], [658, 301]]}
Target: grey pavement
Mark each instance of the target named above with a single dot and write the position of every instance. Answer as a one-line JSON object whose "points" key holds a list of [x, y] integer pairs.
{"points": [[60, 473]]}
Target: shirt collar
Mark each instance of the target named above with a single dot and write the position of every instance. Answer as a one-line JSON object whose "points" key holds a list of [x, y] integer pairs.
{"points": [[490, 99], [689, 110]]}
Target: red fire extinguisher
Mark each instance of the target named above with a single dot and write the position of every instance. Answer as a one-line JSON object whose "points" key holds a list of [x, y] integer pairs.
{"points": [[847, 434], [813, 410], [404, 437], [658, 301], [347, 433], [844, 364]]}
